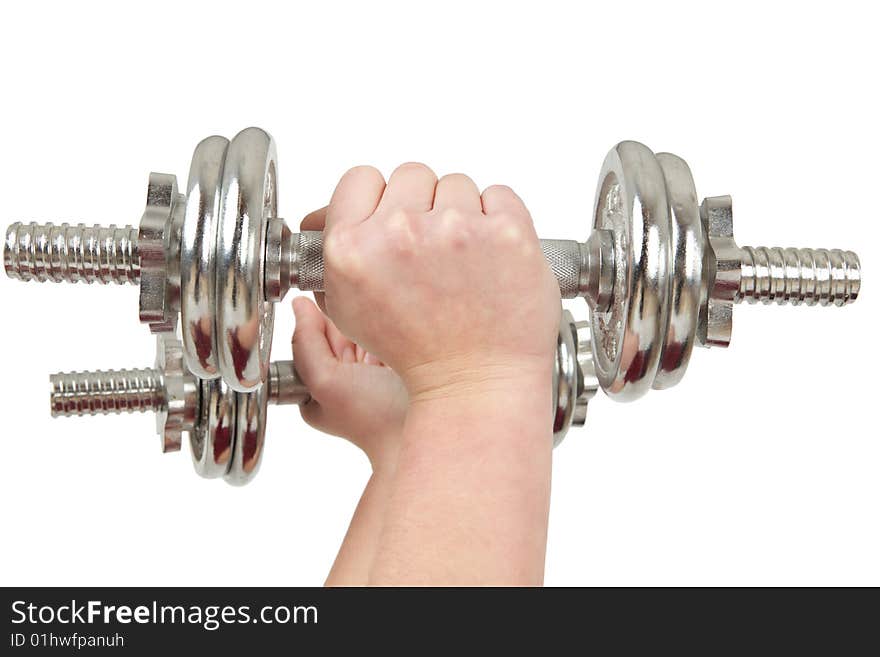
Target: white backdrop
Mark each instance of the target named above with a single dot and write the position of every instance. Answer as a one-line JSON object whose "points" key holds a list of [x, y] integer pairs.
{"points": [[761, 467]]}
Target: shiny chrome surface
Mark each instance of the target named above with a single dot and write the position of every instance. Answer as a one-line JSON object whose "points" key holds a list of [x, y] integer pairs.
{"points": [[686, 267], [574, 378], [632, 203], [198, 275], [168, 389], [722, 266], [588, 382], [285, 386], [213, 438], [178, 414], [798, 276], [565, 379], [105, 392], [65, 253], [244, 317], [250, 436], [158, 247]]}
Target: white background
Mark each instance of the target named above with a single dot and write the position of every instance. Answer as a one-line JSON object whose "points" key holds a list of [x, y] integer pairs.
{"points": [[761, 467]]}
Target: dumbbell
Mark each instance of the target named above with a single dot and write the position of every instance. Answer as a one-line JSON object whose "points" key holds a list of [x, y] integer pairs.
{"points": [[227, 429], [660, 271]]}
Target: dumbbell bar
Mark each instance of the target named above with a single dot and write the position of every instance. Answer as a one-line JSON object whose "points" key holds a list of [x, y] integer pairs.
{"points": [[226, 429], [659, 272]]}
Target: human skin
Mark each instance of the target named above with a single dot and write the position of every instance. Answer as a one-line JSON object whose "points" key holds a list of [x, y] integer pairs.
{"points": [[355, 396], [450, 288]]}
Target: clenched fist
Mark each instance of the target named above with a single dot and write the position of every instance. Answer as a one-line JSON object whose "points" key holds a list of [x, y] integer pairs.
{"points": [[447, 286]]}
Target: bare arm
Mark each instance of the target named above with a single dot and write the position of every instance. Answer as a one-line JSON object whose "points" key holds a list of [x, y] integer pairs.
{"points": [[471, 499]]}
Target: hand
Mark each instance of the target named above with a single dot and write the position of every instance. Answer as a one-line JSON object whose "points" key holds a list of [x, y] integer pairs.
{"points": [[449, 288], [353, 394]]}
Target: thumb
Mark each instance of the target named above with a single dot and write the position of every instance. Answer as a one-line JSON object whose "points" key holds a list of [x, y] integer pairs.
{"points": [[312, 353]]}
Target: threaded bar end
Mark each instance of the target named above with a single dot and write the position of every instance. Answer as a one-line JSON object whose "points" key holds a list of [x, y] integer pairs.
{"points": [[105, 392], [799, 276], [65, 253]]}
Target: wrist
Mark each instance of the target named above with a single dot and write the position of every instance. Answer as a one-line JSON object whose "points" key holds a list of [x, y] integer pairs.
{"points": [[474, 379], [487, 415]]}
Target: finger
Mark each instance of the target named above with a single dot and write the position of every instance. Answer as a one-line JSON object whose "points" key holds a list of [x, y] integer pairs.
{"points": [[314, 220], [410, 187], [459, 191], [311, 350], [338, 341], [500, 199], [355, 198]]}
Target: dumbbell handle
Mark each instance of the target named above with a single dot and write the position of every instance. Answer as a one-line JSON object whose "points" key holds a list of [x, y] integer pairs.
{"points": [[565, 257], [297, 260]]}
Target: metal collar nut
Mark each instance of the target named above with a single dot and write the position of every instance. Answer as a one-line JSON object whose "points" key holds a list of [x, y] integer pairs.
{"points": [[159, 247], [180, 410]]}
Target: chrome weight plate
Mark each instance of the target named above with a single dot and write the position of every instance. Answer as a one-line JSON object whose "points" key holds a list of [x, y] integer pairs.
{"points": [[565, 379], [628, 338], [213, 440], [250, 433], [198, 245], [244, 317], [686, 249]]}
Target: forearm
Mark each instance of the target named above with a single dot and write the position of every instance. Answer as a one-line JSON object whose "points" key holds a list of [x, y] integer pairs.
{"points": [[358, 549], [470, 499]]}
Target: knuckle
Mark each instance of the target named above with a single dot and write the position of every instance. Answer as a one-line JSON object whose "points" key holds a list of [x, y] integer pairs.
{"points": [[400, 231], [339, 258], [454, 228], [451, 217], [511, 232]]}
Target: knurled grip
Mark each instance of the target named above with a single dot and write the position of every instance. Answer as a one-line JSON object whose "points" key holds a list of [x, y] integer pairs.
{"points": [[307, 262], [566, 262]]}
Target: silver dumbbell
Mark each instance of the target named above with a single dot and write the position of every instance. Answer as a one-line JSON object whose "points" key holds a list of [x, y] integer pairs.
{"points": [[660, 272], [227, 429]]}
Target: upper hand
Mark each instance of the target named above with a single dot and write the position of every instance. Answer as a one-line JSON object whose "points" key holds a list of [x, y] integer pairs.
{"points": [[447, 286]]}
